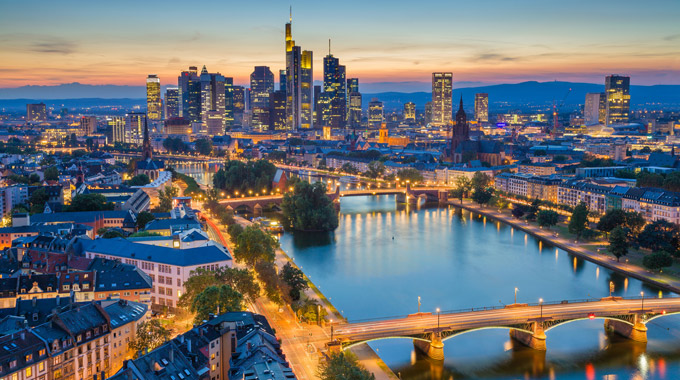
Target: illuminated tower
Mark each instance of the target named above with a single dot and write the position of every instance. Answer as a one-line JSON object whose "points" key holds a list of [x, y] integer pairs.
{"points": [[591, 109], [153, 98], [261, 85], [189, 93], [441, 98], [410, 112], [171, 102], [482, 107], [212, 103], [617, 89], [375, 112], [335, 86], [293, 80]]}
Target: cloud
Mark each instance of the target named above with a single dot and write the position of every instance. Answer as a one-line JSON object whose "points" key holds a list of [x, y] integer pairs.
{"points": [[672, 37], [53, 46]]}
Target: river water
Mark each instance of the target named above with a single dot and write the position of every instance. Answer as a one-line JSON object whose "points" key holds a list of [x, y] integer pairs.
{"points": [[381, 258]]}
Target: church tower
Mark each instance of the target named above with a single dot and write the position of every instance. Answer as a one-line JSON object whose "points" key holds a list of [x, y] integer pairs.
{"points": [[146, 145], [461, 131]]}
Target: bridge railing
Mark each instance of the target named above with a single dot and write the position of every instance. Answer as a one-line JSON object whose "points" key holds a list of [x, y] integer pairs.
{"points": [[498, 307]]}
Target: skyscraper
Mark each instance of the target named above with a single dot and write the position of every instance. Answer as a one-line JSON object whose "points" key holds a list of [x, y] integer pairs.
{"points": [[153, 98], [135, 123], [482, 107], [591, 110], [171, 102], [36, 112], [617, 90], [261, 85], [117, 126], [442, 108], [317, 108], [293, 79], [228, 102], [306, 90], [410, 112], [189, 88], [335, 86], [212, 103], [277, 111], [88, 125], [375, 112], [353, 103], [239, 104], [282, 81]]}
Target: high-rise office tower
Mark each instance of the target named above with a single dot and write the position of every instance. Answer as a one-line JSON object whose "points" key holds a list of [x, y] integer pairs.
{"points": [[306, 90], [189, 88], [354, 119], [442, 85], [375, 112], [410, 112], [88, 125], [36, 112], [317, 110], [603, 108], [212, 103], [228, 102], [153, 98], [135, 123], [428, 112], [293, 79], [335, 86], [277, 111], [352, 85], [482, 107], [282, 81], [591, 109], [117, 126], [171, 102], [617, 90], [261, 85]]}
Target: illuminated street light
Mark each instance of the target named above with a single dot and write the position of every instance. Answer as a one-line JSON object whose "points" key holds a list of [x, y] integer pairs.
{"points": [[438, 319], [540, 302], [642, 294], [516, 294]]}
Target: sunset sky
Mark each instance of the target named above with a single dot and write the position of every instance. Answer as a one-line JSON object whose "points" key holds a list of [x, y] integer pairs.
{"points": [[490, 41]]}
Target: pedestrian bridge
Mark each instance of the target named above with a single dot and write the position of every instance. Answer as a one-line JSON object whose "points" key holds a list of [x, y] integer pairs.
{"points": [[528, 324], [404, 195]]}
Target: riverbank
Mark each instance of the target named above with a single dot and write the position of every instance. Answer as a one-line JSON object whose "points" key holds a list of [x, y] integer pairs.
{"points": [[576, 249]]}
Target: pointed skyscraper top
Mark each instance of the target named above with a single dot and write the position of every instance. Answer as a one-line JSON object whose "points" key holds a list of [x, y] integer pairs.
{"points": [[204, 70], [291, 15]]}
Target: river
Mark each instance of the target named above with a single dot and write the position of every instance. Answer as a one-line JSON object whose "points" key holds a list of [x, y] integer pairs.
{"points": [[381, 258]]}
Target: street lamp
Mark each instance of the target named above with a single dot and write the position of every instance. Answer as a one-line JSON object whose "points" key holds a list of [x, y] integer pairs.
{"points": [[516, 294], [540, 302], [418, 304], [331, 330], [642, 294], [438, 319]]}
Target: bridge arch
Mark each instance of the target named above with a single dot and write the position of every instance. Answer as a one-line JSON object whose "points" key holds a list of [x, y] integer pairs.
{"points": [[661, 315], [358, 342], [565, 322], [463, 332], [244, 207]]}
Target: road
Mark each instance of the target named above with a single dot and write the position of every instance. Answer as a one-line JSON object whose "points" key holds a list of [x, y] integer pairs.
{"points": [[417, 324], [575, 248]]}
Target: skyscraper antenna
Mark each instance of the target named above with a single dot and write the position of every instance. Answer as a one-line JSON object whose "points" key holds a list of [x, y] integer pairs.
{"points": [[329, 46], [291, 14]]}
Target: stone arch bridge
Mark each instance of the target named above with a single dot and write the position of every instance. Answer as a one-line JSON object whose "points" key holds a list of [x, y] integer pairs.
{"points": [[527, 324], [406, 195]]}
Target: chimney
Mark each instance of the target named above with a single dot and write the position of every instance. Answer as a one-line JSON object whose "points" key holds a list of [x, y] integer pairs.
{"points": [[57, 299], [23, 334], [189, 345]]}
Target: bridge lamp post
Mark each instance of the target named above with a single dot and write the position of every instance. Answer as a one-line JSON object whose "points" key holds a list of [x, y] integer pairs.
{"points": [[540, 302], [642, 294], [516, 294], [438, 319]]}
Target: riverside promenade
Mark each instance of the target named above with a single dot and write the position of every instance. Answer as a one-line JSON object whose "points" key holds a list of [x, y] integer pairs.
{"points": [[656, 279]]}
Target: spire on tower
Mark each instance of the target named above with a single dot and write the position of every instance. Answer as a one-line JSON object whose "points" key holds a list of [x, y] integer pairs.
{"points": [[291, 14], [329, 46], [147, 152], [461, 102], [204, 70]]}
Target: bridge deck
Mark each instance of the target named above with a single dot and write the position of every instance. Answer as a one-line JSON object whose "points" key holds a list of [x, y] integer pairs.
{"points": [[418, 324]]}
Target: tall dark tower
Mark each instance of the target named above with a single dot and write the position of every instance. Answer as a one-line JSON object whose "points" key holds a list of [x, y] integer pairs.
{"points": [[460, 132], [146, 145]]}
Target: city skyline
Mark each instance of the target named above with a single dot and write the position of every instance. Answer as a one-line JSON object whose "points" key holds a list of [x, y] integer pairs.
{"points": [[488, 43]]}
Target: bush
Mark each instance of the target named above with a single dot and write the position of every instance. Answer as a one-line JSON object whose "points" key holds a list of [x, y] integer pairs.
{"points": [[657, 260]]}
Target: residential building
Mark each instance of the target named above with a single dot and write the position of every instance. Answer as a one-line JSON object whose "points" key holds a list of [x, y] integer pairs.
{"points": [[36, 112]]}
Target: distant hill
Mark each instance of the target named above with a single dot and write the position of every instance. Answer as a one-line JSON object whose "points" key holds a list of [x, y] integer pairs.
{"points": [[501, 96]]}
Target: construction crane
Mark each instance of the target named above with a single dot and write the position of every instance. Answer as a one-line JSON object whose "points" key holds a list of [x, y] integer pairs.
{"points": [[556, 110]]}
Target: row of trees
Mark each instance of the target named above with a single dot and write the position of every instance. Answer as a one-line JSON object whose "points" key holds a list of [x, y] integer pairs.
{"points": [[244, 176]]}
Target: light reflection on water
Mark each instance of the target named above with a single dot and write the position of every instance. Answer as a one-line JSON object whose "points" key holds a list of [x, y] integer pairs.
{"points": [[382, 258]]}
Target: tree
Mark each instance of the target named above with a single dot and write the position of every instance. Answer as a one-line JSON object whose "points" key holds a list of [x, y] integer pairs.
{"points": [[165, 198], [480, 180], [175, 145], [410, 175], [143, 218], [343, 366], [234, 231], [349, 168], [204, 146], [255, 176], [547, 218], [660, 235], [579, 220], [150, 334], [51, 174], [89, 202], [112, 234], [611, 219], [38, 200], [241, 280], [518, 211], [533, 209], [672, 181], [648, 179], [375, 169], [254, 245], [618, 242], [266, 272], [139, 180], [34, 178], [295, 280], [463, 184], [216, 300], [657, 260], [482, 196], [309, 208]]}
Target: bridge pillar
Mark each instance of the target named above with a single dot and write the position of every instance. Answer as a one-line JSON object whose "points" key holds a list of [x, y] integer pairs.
{"points": [[535, 340], [433, 349], [257, 210], [401, 198], [230, 210], [636, 332], [443, 197]]}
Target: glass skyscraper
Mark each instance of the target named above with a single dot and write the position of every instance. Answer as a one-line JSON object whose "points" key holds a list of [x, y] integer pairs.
{"points": [[442, 85], [617, 90]]}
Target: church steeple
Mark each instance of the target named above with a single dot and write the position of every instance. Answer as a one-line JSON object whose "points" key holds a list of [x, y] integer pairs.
{"points": [[146, 145]]}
